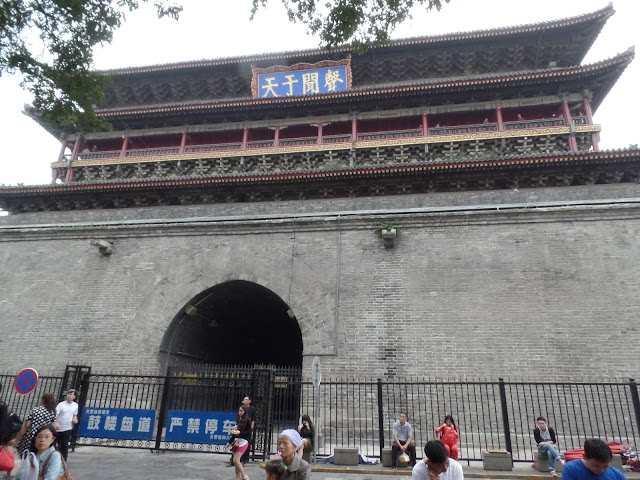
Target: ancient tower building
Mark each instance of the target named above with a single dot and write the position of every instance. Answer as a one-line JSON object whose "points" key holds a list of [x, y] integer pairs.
{"points": [[433, 206]]}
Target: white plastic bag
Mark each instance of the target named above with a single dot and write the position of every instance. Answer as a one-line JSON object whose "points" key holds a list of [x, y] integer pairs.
{"points": [[30, 467]]}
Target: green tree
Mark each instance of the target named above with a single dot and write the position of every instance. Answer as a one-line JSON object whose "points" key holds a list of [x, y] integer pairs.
{"points": [[64, 87], [359, 22], [61, 79]]}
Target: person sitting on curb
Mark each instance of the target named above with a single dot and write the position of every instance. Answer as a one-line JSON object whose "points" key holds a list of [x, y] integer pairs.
{"points": [[402, 440], [436, 464], [594, 464], [449, 434], [545, 438]]}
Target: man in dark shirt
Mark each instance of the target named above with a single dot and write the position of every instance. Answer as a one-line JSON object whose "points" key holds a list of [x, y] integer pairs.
{"points": [[545, 438], [246, 401]]}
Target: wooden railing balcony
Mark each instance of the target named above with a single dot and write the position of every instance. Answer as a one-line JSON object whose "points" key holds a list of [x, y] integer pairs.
{"points": [[144, 152], [482, 127], [325, 139], [261, 144], [390, 134], [216, 147], [93, 155], [336, 138], [288, 142], [543, 122]]}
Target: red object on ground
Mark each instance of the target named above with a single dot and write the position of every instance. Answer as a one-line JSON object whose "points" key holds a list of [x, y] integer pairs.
{"points": [[579, 453]]}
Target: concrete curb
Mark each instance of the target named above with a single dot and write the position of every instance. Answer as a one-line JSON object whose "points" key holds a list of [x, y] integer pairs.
{"points": [[495, 474], [468, 472]]}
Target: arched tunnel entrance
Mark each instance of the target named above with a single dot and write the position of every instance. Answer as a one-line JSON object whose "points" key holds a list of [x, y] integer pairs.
{"points": [[231, 340], [234, 323]]}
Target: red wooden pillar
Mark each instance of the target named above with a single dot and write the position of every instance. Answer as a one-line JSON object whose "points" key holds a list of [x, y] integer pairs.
{"points": [[354, 130], [125, 143], [499, 120], [63, 147], [320, 125], [54, 171], [74, 156], [276, 140], [425, 125], [586, 105], [76, 149], [183, 141], [245, 138], [566, 113]]}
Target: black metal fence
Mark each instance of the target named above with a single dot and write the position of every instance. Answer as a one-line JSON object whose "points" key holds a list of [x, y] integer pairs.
{"points": [[22, 404], [490, 414]]}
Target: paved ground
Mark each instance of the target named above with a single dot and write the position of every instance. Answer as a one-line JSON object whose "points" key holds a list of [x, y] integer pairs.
{"points": [[101, 463]]}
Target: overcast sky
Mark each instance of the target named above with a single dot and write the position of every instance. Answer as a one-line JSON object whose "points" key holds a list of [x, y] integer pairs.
{"points": [[210, 29]]}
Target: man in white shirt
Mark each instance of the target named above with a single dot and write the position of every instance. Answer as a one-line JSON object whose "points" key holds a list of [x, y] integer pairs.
{"points": [[436, 464], [67, 413]]}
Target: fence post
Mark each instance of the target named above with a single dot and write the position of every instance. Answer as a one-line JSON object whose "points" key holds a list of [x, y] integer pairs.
{"points": [[163, 410], [380, 416], [633, 387], [83, 387], [505, 415]]}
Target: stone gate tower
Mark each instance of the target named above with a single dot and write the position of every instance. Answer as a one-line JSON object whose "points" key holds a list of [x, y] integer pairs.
{"points": [[236, 214]]}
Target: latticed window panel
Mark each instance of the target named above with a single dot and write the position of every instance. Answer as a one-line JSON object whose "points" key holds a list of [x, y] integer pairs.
{"points": [[394, 154]]}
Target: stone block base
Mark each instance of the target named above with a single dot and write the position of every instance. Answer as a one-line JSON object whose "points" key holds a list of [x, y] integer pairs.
{"points": [[346, 456], [385, 457], [497, 460], [542, 464]]}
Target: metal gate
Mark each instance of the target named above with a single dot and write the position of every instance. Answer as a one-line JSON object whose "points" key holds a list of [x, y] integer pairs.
{"points": [[275, 393]]}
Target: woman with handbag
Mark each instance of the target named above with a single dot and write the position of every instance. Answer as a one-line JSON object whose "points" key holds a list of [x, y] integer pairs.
{"points": [[38, 417], [50, 459], [239, 440], [7, 459]]}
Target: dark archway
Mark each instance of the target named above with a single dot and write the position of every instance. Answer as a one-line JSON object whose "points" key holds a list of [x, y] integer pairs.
{"points": [[235, 323]]}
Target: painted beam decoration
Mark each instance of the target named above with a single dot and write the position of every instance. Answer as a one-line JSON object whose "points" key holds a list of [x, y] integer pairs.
{"points": [[328, 76]]}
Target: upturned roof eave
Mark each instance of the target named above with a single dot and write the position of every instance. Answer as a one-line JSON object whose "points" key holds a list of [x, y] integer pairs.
{"points": [[435, 85], [600, 15]]}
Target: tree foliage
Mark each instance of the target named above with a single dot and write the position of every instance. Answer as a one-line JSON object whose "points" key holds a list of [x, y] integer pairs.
{"points": [[359, 22], [51, 43]]}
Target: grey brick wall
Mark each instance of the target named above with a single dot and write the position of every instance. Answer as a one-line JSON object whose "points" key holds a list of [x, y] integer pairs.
{"points": [[544, 293]]}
